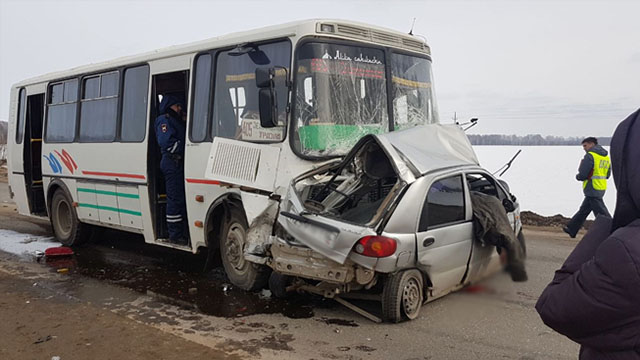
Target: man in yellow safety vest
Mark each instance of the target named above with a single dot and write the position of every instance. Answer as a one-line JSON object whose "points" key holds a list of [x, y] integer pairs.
{"points": [[594, 170]]}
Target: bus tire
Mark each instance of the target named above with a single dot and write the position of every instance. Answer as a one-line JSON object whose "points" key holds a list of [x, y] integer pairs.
{"points": [[402, 296], [64, 220], [242, 273]]}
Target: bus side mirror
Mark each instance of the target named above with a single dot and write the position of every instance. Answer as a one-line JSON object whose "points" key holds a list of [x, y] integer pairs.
{"points": [[267, 97], [263, 78], [268, 106]]}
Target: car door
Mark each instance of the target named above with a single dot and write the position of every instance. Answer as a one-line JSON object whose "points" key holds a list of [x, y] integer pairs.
{"points": [[445, 233], [485, 258]]}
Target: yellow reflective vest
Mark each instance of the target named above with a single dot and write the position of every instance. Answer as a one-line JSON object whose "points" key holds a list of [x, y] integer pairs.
{"points": [[601, 165]]}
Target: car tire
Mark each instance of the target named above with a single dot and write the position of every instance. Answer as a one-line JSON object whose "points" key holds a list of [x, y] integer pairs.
{"points": [[402, 296], [242, 273], [278, 285], [64, 220], [523, 244]]}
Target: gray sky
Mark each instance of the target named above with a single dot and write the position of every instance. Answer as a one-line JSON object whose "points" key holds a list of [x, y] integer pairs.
{"points": [[551, 67]]}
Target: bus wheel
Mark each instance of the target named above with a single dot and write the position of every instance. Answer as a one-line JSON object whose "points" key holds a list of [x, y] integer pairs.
{"points": [[241, 273], [402, 296], [66, 226]]}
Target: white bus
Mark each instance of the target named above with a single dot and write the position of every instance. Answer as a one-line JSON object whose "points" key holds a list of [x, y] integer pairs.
{"points": [[263, 107]]}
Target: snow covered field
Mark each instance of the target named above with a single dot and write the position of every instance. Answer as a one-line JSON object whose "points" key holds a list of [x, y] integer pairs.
{"points": [[543, 177]]}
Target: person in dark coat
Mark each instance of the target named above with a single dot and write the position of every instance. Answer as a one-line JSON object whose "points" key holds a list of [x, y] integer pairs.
{"points": [[594, 299], [170, 133], [594, 171]]}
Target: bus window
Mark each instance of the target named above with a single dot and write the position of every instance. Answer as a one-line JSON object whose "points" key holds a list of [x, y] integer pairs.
{"points": [[202, 89], [235, 110], [134, 103], [413, 96], [308, 91], [239, 101], [22, 105], [349, 97], [98, 110], [61, 114]]}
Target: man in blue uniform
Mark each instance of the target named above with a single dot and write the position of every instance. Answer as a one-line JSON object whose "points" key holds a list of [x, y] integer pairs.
{"points": [[170, 132]]}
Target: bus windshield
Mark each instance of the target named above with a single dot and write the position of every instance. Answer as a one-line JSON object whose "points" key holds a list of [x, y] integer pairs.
{"points": [[342, 95]]}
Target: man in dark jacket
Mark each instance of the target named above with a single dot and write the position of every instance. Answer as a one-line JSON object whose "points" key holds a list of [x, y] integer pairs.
{"points": [[594, 171], [594, 299], [170, 132]]}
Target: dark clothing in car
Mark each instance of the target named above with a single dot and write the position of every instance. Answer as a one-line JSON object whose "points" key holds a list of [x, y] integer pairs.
{"points": [[491, 226], [594, 299]]}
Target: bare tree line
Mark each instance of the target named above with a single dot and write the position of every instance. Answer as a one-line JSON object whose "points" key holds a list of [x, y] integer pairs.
{"points": [[3, 132], [531, 140]]}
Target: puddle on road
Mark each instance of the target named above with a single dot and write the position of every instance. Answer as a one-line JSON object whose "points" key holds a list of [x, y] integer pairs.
{"points": [[149, 269]]}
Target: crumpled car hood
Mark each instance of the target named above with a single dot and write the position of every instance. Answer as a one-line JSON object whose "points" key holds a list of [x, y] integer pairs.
{"points": [[432, 147]]}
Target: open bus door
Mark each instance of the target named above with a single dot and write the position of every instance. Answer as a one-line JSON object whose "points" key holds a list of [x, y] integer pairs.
{"points": [[33, 154], [25, 157], [175, 83]]}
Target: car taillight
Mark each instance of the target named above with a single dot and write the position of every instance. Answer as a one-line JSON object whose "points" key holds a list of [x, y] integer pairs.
{"points": [[376, 246]]}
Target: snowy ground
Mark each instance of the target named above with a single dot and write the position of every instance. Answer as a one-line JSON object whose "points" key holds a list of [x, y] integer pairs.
{"points": [[24, 244], [543, 177]]}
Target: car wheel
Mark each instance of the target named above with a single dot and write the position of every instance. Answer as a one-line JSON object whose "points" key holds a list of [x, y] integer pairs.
{"points": [[402, 296], [64, 220], [242, 273], [522, 243], [278, 284]]}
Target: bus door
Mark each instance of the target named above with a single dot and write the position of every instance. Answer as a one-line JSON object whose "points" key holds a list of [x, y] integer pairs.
{"points": [[33, 154], [177, 84], [15, 144]]}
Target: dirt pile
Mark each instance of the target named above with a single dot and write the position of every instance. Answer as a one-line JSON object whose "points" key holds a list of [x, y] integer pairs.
{"points": [[531, 218]]}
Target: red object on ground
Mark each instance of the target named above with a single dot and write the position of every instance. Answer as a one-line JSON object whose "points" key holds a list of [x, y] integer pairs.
{"points": [[475, 289], [58, 251]]}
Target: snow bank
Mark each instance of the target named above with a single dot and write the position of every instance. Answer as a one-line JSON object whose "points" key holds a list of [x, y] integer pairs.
{"points": [[21, 244]]}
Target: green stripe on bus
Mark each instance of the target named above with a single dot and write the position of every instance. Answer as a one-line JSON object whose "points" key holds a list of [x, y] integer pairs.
{"points": [[112, 193], [108, 208]]}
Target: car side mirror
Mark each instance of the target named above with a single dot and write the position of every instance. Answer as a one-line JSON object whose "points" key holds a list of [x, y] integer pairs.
{"points": [[508, 205]]}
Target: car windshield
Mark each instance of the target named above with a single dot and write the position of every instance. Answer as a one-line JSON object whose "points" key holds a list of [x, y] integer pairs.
{"points": [[342, 95]]}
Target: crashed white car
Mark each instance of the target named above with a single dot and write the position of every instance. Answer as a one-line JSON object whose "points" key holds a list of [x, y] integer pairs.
{"points": [[392, 219]]}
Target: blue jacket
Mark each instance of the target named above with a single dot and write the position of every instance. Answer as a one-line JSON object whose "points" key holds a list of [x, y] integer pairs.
{"points": [[594, 299], [170, 129], [584, 171]]}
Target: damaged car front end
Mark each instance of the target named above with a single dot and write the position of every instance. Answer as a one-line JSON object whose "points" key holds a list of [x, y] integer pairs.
{"points": [[354, 224]]}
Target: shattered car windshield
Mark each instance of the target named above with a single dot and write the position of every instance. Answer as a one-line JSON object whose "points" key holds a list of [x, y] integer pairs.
{"points": [[413, 97], [341, 96]]}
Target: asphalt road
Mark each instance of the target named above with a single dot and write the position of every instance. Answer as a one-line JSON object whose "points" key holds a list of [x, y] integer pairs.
{"points": [[121, 275]]}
